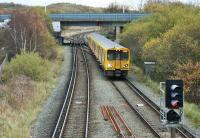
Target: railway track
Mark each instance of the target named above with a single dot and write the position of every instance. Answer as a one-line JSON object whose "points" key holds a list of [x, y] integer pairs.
{"points": [[74, 116], [132, 102], [133, 97], [181, 130]]}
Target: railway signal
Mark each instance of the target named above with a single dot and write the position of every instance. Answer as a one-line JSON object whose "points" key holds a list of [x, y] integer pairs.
{"points": [[174, 94], [171, 104], [174, 100]]}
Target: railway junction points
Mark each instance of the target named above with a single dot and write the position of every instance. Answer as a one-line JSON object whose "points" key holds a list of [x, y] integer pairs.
{"points": [[105, 98]]}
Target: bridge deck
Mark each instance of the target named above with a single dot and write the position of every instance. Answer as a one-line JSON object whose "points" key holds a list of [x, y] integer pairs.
{"points": [[117, 17], [107, 17]]}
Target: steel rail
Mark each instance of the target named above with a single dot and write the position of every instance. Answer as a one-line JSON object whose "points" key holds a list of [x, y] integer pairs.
{"points": [[139, 114], [58, 131], [88, 93], [183, 131], [70, 100], [60, 121]]}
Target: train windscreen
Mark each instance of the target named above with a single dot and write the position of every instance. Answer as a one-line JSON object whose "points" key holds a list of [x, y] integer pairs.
{"points": [[117, 55], [111, 55], [124, 55]]}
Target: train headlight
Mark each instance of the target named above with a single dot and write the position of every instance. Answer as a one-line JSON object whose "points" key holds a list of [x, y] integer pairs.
{"points": [[110, 65], [126, 65]]}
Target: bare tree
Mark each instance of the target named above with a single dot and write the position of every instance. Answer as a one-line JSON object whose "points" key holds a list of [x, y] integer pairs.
{"points": [[27, 29], [114, 8]]}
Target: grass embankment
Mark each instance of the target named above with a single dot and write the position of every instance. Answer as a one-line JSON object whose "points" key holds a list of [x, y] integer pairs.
{"points": [[22, 97], [145, 79], [192, 111]]}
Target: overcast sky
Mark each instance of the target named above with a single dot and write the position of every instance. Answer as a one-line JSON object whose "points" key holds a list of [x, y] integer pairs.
{"points": [[95, 3]]}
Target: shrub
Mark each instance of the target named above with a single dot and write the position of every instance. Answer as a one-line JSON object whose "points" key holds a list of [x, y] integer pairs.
{"points": [[169, 37], [192, 112], [176, 46], [190, 74], [28, 64], [20, 91]]}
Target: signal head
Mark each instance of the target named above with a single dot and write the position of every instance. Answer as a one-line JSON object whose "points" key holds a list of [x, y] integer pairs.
{"points": [[174, 94]]}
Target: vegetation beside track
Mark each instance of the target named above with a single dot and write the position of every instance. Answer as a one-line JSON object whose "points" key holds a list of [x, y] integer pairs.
{"points": [[191, 111], [21, 100], [32, 72], [169, 37], [145, 79]]}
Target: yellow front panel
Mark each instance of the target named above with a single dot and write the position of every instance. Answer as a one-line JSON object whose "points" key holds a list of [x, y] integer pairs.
{"points": [[117, 64]]}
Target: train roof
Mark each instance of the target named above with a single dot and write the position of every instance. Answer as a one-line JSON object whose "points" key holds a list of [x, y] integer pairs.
{"points": [[106, 43]]}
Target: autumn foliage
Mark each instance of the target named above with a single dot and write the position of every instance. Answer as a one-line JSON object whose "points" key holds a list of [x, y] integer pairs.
{"points": [[190, 74], [30, 31], [169, 37]]}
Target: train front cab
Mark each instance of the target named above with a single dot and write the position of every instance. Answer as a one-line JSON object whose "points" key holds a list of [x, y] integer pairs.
{"points": [[117, 62]]}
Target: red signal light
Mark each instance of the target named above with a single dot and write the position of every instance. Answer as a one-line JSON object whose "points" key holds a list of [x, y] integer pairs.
{"points": [[175, 104]]}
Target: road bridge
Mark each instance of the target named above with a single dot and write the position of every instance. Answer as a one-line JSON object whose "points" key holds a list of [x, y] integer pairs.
{"points": [[91, 19], [95, 19]]}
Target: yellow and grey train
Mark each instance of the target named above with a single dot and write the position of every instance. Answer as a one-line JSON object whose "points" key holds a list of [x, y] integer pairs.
{"points": [[114, 58]]}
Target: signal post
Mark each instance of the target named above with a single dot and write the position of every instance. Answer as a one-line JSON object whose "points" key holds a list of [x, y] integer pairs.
{"points": [[171, 104]]}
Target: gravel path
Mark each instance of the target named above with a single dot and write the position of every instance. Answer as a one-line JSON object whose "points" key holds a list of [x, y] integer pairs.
{"points": [[103, 93], [45, 123], [156, 98]]}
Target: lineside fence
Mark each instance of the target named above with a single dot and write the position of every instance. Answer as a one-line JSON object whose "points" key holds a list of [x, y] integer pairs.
{"points": [[3, 65]]}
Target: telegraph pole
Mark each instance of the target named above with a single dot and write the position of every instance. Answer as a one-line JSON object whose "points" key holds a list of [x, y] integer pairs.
{"points": [[45, 7], [123, 7]]}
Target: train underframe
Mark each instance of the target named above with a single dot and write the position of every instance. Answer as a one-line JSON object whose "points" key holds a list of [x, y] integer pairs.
{"points": [[116, 73]]}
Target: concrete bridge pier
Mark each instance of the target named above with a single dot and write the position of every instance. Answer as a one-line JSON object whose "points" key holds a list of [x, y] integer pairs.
{"points": [[118, 30]]}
